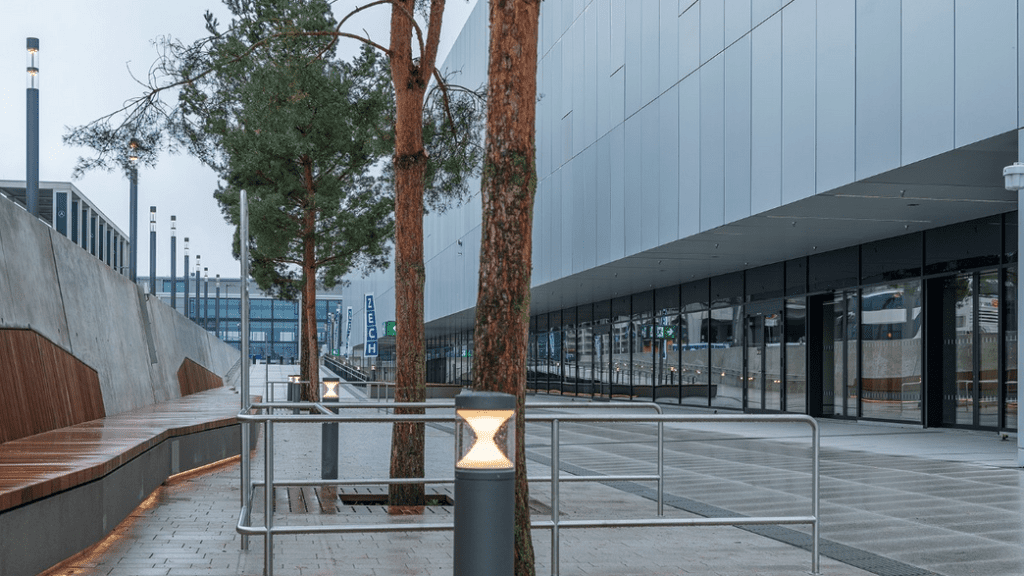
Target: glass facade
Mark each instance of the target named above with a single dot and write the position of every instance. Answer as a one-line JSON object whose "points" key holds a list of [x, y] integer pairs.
{"points": [[919, 328]]}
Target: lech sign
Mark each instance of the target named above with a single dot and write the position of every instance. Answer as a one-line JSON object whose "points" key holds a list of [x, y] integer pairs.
{"points": [[348, 331], [371, 328]]}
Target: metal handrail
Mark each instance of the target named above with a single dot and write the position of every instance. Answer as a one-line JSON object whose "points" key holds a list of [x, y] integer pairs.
{"points": [[323, 414]]}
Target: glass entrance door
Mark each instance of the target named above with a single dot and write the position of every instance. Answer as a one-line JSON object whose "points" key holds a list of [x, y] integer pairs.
{"points": [[839, 354], [763, 378], [970, 349]]}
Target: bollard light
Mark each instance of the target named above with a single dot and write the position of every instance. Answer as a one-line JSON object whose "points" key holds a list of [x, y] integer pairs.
{"points": [[484, 483], [329, 390], [329, 432]]}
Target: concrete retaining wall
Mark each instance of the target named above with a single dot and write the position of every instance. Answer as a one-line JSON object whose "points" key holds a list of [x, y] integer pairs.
{"points": [[134, 342]]}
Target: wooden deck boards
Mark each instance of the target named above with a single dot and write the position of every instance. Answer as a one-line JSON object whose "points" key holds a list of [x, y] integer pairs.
{"points": [[38, 466]]}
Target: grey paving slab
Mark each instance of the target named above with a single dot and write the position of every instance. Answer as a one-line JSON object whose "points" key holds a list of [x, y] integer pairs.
{"points": [[892, 505]]}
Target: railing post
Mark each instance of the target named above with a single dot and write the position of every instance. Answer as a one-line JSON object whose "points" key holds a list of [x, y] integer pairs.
{"points": [[816, 486], [268, 497], [554, 496], [661, 469]]}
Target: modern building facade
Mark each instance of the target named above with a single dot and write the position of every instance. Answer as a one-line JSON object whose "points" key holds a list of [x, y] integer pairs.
{"points": [[273, 323], [65, 209], [763, 205]]}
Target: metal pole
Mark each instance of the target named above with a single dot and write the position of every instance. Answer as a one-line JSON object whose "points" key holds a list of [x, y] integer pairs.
{"points": [[152, 250], [661, 468], [185, 269], [216, 311], [206, 299], [133, 218], [244, 294], [197, 287], [32, 129], [174, 264], [816, 481], [555, 498], [268, 500]]}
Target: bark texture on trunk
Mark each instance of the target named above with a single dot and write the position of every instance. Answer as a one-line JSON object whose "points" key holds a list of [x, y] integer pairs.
{"points": [[410, 77], [309, 357], [508, 188]]}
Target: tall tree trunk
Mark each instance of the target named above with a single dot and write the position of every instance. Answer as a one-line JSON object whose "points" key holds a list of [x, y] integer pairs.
{"points": [[410, 78], [508, 188], [309, 360]]}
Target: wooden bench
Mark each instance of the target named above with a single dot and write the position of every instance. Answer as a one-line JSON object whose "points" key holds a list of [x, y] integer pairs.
{"points": [[64, 490]]}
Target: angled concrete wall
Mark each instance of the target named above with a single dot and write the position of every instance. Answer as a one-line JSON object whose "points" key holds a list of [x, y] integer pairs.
{"points": [[134, 342]]}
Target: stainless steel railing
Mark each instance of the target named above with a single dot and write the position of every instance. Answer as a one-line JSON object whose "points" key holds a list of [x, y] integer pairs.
{"points": [[323, 413]]}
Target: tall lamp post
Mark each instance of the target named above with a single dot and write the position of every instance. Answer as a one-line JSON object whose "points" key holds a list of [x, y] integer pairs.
{"points": [[216, 307], [152, 250], [32, 128], [185, 269], [133, 207], [197, 287], [174, 265], [206, 299]]}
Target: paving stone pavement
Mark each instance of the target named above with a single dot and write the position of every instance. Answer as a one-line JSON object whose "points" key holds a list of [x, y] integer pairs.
{"points": [[891, 504]]}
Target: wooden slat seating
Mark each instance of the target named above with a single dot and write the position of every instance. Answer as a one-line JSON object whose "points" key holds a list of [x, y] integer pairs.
{"points": [[38, 466], [43, 387]]}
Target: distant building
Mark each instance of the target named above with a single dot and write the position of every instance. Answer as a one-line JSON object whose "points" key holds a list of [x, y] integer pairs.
{"points": [[273, 324], [65, 209]]}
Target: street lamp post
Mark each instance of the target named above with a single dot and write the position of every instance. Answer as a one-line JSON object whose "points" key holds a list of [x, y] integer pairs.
{"points": [[197, 287], [185, 269], [32, 128], [216, 306], [133, 207], [206, 299], [152, 250], [174, 264]]}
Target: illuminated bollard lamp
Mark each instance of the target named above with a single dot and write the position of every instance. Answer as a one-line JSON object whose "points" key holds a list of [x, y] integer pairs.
{"points": [[484, 483], [329, 432]]}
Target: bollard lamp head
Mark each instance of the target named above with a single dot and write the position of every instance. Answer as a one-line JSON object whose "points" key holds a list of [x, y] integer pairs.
{"points": [[329, 390], [485, 431]]}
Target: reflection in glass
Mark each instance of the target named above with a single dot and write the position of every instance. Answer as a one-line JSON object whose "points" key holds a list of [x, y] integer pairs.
{"points": [[891, 348], [643, 354], [988, 348], [725, 334], [621, 340], [755, 360], [666, 354], [958, 397], [1009, 306], [585, 350], [850, 333], [693, 355], [796, 355]]}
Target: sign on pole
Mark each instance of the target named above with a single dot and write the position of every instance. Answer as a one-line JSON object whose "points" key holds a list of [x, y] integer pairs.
{"points": [[389, 328], [371, 328]]}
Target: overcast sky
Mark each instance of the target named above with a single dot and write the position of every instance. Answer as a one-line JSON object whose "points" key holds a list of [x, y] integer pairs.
{"points": [[86, 51]]}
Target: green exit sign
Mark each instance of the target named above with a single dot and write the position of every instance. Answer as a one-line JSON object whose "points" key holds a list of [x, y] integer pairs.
{"points": [[659, 332], [389, 328]]}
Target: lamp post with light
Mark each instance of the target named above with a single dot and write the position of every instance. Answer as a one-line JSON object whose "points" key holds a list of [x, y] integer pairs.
{"points": [[206, 298], [32, 128], [152, 249], [329, 432], [216, 310], [133, 207], [174, 264], [185, 269], [484, 483], [198, 266]]}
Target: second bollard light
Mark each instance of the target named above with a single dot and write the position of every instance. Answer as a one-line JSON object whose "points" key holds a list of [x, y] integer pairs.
{"points": [[484, 483]]}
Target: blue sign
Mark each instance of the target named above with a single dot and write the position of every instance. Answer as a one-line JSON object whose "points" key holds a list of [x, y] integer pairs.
{"points": [[348, 331], [371, 328]]}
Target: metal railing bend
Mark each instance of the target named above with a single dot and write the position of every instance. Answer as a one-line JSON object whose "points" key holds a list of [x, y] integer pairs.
{"points": [[324, 413]]}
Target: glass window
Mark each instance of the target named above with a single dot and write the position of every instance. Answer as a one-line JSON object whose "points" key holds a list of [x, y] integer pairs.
{"points": [[321, 309], [891, 259], [796, 355], [833, 270], [259, 331], [891, 351], [642, 346], [765, 282], [1010, 225], [694, 331], [666, 345], [621, 340], [1009, 306], [570, 351], [286, 310], [725, 339], [260, 308]]}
